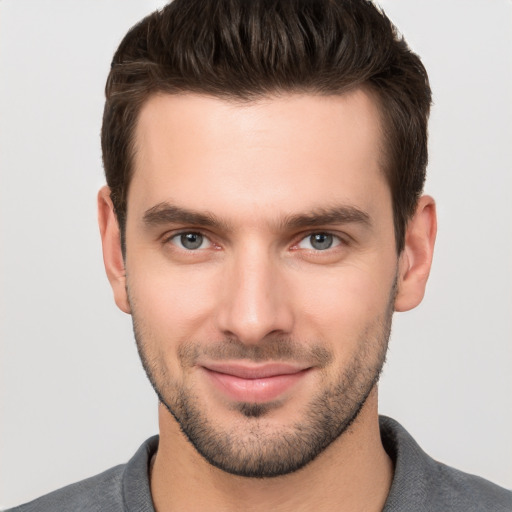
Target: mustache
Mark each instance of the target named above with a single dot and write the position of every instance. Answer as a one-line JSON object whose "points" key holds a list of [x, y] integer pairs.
{"points": [[273, 349]]}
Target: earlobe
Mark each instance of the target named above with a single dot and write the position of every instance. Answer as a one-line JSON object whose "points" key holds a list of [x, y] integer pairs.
{"points": [[416, 258], [112, 253]]}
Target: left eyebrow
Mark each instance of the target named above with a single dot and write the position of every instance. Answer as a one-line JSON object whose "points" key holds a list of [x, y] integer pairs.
{"points": [[326, 216]]}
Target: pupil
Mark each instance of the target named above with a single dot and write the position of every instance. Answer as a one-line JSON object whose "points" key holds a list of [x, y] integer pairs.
{"points": [[321, 241], [191, 240]]}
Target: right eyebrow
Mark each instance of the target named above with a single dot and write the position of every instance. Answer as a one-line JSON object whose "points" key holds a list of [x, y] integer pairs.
{"points": [[167, 213]]}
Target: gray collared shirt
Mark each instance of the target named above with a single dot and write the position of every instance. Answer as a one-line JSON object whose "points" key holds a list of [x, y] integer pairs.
{"points": [[420, 484]]}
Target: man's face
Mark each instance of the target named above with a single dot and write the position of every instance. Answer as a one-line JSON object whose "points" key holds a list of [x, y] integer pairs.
{"points": [[261, 270]]}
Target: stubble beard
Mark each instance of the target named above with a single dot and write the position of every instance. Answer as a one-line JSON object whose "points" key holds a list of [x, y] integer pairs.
{"points": [[251, 447]]}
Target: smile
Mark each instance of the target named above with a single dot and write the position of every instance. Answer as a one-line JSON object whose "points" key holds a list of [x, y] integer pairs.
{"points": [[257, 384]]}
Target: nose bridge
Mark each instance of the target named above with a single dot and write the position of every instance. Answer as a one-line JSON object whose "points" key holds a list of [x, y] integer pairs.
{"points": [[253, 304]]}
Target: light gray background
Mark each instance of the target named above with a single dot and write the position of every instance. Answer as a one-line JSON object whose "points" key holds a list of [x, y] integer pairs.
{"points": [[74, 400]]}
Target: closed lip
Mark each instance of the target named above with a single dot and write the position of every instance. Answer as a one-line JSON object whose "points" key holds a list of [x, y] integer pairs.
{"points": [[254, 371]]}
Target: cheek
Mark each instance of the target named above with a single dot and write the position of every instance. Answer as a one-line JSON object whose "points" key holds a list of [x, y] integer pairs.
{"points": [[173, 301], [343, 304]]}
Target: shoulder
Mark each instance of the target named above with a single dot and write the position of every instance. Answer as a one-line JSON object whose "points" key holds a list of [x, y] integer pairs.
{"points": [[123, 487], [102, 492], [461, 491], [421, 483]]}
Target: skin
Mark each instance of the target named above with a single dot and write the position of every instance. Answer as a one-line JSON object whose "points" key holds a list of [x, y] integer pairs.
{"points": [[258, 280]]}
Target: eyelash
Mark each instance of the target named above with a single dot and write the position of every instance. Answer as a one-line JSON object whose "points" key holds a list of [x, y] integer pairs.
{"points": [[170, 238], [337, 240]]}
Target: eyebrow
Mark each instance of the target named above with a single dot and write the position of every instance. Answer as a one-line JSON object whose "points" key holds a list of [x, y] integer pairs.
{"points": [[167, 213], [324, 216]]}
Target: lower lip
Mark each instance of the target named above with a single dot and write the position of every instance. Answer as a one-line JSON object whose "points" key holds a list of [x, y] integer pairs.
{"points": [[254, 390]]}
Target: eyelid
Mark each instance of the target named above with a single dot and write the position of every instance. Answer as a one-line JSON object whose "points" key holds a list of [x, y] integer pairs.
{"points": [[341, 238], [335, 240], [171, 233], [168, 238]]}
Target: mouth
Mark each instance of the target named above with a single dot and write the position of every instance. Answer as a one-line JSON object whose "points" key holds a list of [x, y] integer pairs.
{"points": [[254, 383]]}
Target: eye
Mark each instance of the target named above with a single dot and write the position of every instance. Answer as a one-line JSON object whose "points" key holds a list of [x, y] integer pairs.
{"points": [[319, 241], [190, 241]]}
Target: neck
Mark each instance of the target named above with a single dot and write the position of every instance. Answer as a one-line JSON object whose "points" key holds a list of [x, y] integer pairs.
{"points": [[354, 473]]}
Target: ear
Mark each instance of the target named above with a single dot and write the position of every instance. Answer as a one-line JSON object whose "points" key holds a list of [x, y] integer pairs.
{"points": [[416, 258], [112, 253]]}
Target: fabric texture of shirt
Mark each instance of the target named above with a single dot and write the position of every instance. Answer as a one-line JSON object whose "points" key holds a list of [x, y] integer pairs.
{"points": [[420, 484]]}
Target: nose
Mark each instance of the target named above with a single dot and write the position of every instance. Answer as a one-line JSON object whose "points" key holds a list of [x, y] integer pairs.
{"points": [[255, 302]]}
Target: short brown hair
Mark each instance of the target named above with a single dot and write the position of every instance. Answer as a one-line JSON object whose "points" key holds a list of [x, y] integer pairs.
{"points": [[246, 49]]}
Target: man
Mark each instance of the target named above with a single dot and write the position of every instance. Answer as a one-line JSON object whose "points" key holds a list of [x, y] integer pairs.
{"points": [[263, 220]]}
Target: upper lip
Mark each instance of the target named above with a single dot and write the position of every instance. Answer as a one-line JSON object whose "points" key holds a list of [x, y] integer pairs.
{"points": [[254, 371]]}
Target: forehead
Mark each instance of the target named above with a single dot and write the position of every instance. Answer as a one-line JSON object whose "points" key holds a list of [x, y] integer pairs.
{"points": [[276, 152]]}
